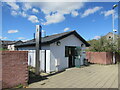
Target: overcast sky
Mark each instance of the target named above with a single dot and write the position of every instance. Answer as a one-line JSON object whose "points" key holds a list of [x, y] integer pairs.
{"points": [[89, 19]]}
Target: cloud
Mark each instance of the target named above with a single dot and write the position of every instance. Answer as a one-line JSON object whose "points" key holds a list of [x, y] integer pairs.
{"points": [[35, 10], [43, 31], [96, 37], [110, 12], [13, 31], [64, 8], [20, 38], [24, 40], [3, 38], [90, 11], [54, 12], [33, 19], [54, 18], [74, 13], [14, 13], [26, 6], [13, 5], [18, 12], [23, 14], [59, 10], [107, 13], [66, 29]]}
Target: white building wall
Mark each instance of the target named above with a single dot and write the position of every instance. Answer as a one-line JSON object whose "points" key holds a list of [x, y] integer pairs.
{"points": [[31, 59], [56, 60], [58, 52], [48, 61], [11, 47]]}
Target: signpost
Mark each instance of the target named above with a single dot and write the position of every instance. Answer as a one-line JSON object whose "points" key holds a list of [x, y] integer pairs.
{"points": [[38, 48]]}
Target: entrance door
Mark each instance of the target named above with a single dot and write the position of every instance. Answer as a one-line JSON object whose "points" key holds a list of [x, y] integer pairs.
{"points": [[71, 61], [74, 56], [71, 56]]}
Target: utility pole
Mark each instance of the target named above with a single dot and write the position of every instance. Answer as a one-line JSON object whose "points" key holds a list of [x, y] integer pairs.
{"points": [[38, 48]]}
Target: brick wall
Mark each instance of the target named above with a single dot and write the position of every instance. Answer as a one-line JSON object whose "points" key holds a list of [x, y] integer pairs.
{"points": [[14, 68], [99, 57]]}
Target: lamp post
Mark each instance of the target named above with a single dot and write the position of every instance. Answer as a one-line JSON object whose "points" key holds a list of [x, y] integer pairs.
{"points": [[114, 6]]}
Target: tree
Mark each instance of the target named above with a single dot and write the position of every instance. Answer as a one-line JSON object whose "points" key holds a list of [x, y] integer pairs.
{"points": [[103, 45]]}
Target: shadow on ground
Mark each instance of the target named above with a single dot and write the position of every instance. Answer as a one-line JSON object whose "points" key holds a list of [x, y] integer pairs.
{"points": [[36, 78]]}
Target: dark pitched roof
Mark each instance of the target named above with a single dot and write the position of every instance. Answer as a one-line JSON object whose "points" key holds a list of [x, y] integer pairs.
{"points": [[5, 42], [52, 38]]}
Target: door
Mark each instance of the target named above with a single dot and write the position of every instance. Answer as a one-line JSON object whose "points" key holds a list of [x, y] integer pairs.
{"points": [[71, 56], [74, 55], [70, 61]]}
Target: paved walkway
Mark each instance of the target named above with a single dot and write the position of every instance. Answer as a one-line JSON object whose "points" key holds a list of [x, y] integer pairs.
{"points": [[94, 76]]}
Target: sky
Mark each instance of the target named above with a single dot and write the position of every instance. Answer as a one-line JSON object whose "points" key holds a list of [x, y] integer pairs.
{"points": [[90, 19]]}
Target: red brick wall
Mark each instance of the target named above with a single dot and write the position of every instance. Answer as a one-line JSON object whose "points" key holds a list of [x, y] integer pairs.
{"points": [[99, 57], [14, 68], [109, 57]]}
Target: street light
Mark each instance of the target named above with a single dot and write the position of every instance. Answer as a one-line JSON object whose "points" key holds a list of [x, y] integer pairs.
{"points": [[114, 6], [115, 30]]}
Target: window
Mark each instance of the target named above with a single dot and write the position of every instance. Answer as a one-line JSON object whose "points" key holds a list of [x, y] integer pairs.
{"points": [[66, 51], [82, 45], [76, 53], [109, 36], [70, 51]]}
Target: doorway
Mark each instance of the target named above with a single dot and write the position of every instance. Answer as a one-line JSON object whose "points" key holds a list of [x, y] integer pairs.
{"points": [[73, 54], [71, 61]]}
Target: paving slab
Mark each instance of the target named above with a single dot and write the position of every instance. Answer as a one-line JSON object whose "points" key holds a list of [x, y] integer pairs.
{"points": [[93, 76]]}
